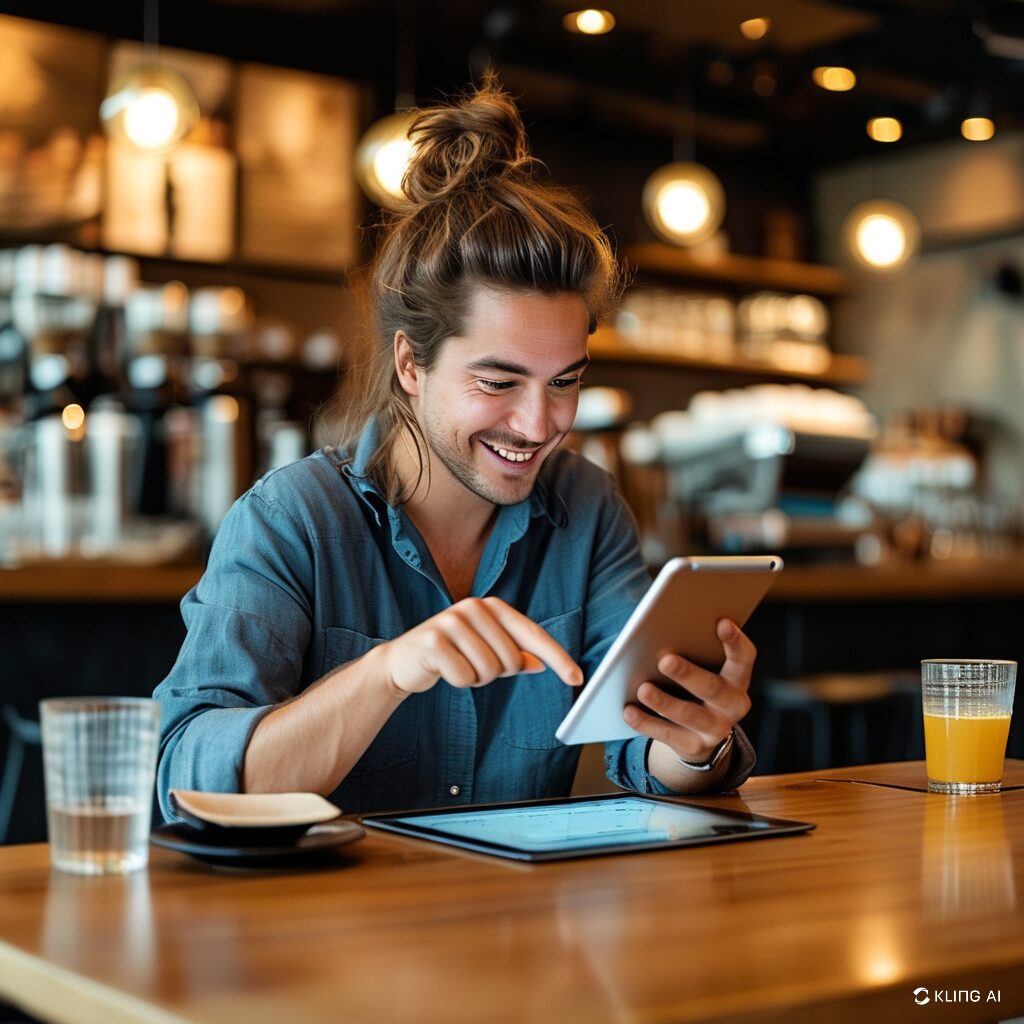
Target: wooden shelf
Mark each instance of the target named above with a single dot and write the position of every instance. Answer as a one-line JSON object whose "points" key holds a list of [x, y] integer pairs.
{"points": [[736, 271], [843, 370], [85, 582], [968, 580]]}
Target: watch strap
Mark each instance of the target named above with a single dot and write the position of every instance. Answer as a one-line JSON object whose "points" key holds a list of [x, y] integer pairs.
{"points": [[715, 759]]}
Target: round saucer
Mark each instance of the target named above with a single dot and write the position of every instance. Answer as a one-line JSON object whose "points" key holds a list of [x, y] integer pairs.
{"points": [[317, 843]]}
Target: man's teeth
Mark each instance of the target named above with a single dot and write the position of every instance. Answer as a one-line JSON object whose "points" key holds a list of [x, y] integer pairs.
{"points": [[511, 456]]}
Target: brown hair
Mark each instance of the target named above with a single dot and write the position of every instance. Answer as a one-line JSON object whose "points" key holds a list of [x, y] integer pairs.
{"points": [[473, 214]]}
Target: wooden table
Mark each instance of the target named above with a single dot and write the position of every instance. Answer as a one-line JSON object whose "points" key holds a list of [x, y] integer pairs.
{"points": [[896, 889]]}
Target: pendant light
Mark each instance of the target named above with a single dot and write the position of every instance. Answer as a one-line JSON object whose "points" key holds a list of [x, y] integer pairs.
{"points": [[684, 202], [385, 149], [150, 107], [881, 237]]}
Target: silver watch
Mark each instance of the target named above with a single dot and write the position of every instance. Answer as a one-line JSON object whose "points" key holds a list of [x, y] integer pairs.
{"points": [[714, 760]]}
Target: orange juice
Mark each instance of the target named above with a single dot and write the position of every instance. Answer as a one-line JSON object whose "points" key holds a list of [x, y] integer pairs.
{"points": [[965, 749]]}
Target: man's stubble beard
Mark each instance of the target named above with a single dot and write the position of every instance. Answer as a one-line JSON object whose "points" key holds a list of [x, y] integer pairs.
{"points": [[463, 470]]}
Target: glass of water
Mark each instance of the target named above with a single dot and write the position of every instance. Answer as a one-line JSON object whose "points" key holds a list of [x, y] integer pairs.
{"points": [[99, 759]]}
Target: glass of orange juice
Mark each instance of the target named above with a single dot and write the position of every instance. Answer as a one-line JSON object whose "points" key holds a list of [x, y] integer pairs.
{"points": [[967, 706]]}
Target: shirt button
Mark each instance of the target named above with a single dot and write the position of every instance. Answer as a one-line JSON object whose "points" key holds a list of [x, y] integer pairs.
{"points": [[455, 790]]}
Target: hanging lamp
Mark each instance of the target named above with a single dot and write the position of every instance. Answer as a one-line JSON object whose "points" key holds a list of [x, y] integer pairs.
{"points": [[151, 107], [385, 149], [881, 237], [683, 202]]}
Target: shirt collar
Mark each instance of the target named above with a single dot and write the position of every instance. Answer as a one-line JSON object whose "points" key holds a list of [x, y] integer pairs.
{"points": [[544, 500]]}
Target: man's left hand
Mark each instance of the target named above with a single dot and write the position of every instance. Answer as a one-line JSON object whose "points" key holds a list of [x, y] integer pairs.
{"points": [[692, 731]]}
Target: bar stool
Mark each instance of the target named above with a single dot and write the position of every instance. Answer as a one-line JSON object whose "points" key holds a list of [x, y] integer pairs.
{"points": [[23, 732], [823, 700]]}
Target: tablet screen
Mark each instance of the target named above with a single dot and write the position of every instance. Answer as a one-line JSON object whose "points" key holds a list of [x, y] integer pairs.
{"points": [[561, 828]]}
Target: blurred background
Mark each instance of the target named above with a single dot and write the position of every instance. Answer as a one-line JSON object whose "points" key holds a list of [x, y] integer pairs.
{"points": [[820, 354]]}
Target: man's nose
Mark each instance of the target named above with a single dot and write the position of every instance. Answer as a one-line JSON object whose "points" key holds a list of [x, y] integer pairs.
{"points": [[530, 417]]}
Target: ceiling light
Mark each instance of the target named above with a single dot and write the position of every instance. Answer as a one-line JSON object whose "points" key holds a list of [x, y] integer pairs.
{"points": [[684, 203], [881, 236], [590, 22], [834, 79], [977, 129], [885, 129], [382, 157], [755, 28], [150, 107]]}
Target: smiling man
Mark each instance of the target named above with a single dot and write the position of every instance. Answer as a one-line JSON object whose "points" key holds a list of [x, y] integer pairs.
{"points": [[403, 620]]}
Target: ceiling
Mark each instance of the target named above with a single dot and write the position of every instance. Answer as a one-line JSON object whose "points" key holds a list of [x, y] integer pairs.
{"points": [[678, 70], [674, 77]]}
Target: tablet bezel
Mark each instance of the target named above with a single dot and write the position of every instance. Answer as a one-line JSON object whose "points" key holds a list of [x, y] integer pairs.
{"points": [[388, 822]]}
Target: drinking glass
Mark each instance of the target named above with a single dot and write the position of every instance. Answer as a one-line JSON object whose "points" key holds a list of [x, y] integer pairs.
{"points": [[99, 759], [967, 706]]}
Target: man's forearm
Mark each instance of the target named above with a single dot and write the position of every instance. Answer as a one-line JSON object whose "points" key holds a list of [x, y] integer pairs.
{"points": [[311, 743]]}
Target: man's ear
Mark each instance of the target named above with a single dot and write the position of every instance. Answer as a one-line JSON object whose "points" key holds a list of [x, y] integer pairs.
{"points": [[405, 366]]}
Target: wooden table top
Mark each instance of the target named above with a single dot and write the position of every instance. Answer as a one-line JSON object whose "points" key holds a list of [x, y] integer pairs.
{"points": [[896, 889]]}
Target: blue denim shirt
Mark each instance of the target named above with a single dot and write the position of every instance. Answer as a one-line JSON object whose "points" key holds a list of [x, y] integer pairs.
{"points": [[311, 568]]}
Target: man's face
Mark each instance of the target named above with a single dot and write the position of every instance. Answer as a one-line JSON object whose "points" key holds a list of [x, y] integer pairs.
{"points": [[503, 395]]}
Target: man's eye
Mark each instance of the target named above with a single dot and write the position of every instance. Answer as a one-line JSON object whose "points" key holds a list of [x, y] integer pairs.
{"points": [[566, 382], [496, 385]]}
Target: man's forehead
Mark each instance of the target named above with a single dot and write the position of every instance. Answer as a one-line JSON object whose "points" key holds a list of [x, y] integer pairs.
{"points": [[523, 333]]}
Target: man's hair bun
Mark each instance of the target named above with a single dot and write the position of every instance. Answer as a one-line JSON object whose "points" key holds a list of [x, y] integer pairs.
{"points": [[462, 146]]}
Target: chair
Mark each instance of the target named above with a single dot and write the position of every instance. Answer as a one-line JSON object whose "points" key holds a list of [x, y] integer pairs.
{"points": [[830, 700], [23, 732]]}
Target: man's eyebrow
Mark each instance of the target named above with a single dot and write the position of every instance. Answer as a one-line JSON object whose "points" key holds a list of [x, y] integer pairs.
{"points": [[503, 366]]}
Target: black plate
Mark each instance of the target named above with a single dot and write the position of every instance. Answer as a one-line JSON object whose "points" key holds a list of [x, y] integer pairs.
{"points": [[318, 843]]}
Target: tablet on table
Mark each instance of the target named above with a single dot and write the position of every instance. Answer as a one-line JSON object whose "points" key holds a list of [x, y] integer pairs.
{"points": [[541, 830]]}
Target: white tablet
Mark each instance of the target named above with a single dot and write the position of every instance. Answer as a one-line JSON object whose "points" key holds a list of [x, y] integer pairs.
{"points": [[680, 615]]}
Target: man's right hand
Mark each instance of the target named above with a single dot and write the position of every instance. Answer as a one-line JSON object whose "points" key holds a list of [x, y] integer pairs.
{"points": [[473, 643]]}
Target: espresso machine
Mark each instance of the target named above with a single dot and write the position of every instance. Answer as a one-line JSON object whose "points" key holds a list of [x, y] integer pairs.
{"points": [[766, 468]]}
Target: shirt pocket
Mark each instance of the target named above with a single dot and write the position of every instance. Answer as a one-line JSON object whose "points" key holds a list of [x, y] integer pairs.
{"points": [[538, 703], [398, 740]]}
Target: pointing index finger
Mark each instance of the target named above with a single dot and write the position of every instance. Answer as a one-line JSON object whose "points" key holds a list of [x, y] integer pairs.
{"points": [[533, 640]]}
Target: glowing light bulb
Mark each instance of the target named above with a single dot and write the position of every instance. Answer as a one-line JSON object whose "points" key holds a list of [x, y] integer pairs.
{"points": [[977, 129], [73, 416], [390, 162], [885, 129], [834, 79], [590, 22], [755, 28], [881, 240], [881, 236], [151, 119], [150, 107], [382, 156], [684, 203], [684, 206]]}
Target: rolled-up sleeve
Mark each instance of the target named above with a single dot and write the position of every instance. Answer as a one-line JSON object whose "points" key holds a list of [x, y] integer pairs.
{"points": [[248, 625]]}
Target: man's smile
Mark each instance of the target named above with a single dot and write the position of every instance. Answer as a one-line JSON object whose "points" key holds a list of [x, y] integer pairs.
{"points": [[511, 454]]}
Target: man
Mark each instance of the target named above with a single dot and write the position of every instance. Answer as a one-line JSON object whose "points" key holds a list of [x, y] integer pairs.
{"points": [[402, 621]]}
